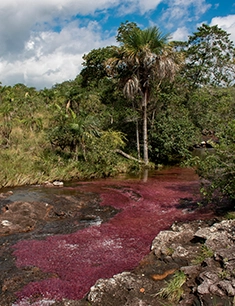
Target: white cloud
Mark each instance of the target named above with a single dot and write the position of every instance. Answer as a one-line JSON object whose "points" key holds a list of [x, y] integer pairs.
{"points": [[43, 41], [51, 57], [183, 11], [137, 6], [226, 23], [181, 34], [47, 9], [147, 5], [18, 17], [32, 53], [130, 7]]}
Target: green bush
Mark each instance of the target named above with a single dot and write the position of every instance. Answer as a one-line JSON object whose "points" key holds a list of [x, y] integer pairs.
{"points": [[172, 135], [217, 170]]}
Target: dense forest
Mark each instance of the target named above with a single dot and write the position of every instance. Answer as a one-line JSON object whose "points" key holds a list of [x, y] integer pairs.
{"points": [[146, 102]]}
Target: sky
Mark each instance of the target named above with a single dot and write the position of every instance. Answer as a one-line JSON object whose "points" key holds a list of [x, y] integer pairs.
{"points": [[42, 42]]}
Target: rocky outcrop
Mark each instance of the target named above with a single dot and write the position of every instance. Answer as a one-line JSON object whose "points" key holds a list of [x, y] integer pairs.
{"points": [[204, 254], [21, 216]]}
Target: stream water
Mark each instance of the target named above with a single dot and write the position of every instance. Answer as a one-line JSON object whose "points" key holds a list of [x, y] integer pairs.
{"points": [[110, 230]]}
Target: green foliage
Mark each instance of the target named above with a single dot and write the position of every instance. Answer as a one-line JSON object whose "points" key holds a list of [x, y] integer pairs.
{"points": [[211, 108], [205, 252], [230, 215], [172, 135], [102, 154], [72, 131], [19, 106], [217, 170], [143, 59], [94, 65], [19, 158], [223, 274], [75, 128], [125, 29], [173, 290], [209, 58]]}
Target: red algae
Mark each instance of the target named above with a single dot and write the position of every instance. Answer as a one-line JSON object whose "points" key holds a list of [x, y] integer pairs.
{"points": [[77, 260]]}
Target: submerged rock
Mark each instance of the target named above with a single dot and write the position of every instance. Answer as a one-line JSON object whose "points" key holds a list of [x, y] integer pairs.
{"points": [[21, 216]]}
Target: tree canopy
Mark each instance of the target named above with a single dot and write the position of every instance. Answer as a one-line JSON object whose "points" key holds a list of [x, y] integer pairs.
{"points": [[147, 99], [209, 56]]}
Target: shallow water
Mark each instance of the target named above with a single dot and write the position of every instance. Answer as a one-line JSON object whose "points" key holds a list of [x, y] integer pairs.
{"points": [[137, 208]]}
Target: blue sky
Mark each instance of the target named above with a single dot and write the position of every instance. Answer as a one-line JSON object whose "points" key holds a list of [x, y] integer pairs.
{"points": [[43, 41]]}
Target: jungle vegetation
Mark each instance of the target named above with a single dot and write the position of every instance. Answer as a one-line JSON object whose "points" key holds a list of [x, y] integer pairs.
{"points": [[142, 103]]}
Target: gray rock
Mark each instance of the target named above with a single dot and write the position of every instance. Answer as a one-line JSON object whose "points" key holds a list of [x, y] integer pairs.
{"points": [[180, 252], [167, 240], [123, 288], [219, 236], [178, 247], [225, 255], [191, 270], [227, 287], [215, 290], [207, 279]]}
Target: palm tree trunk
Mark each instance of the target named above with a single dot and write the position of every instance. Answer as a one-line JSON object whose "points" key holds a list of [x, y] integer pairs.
{"points": [[137, 139], [145, 127]]}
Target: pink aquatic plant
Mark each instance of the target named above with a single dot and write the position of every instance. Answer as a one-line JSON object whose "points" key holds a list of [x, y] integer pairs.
{"points": [[77, 260]]}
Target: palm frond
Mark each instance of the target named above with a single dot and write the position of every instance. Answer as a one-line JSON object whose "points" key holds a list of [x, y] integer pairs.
{"points": [[131, 87]]}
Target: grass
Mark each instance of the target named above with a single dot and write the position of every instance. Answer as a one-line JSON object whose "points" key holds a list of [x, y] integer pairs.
{"points": [[205, 252], [224, 274], [230, 215], [173, 290], [169, 251], [30, 159], [24, 161]]}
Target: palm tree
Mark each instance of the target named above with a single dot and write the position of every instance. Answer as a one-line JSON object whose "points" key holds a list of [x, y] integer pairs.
{"points": [[143, 60]]}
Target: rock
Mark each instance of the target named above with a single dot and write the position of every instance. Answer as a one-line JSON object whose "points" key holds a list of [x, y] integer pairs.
{"points": [[207, 279], [191, 270], [182, 252], [219, 236], [136, 302], [48, 184], [225, 255], [211, 280], [22, 216], [55, 183], [163, 242], [227, 287], [167, 241], [210, 276], [215, 290], [123, 288], [6, 223], [4, 195], [58, 183]]}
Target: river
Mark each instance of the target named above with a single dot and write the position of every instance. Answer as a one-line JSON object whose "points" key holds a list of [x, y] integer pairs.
{"points": [[87, 230]]}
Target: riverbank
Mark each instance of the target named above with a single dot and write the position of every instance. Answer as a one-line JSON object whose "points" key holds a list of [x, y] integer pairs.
{"points": [[190, 264]]}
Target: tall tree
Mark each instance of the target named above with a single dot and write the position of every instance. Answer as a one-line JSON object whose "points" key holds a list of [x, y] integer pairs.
{"points": [[143, 60], [94, 69], [209, 58]]}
